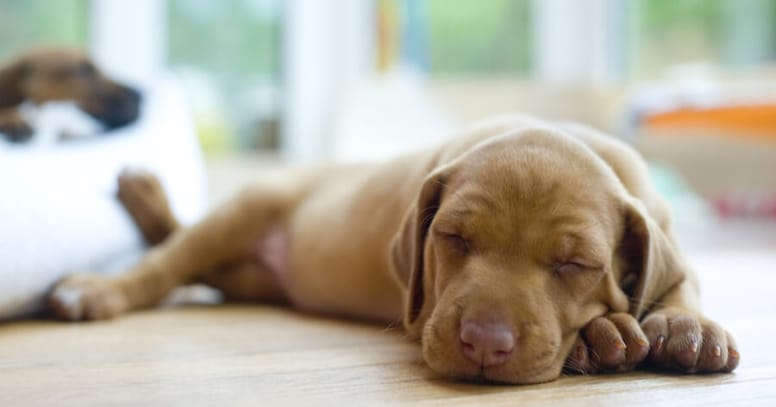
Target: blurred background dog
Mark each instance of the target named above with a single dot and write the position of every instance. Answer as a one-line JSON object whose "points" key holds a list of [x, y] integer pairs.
{"points": [[30, 82]]}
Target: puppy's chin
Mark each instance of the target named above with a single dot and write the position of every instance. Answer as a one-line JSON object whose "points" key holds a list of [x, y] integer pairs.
{"points": [[537, 359], [504, 375], [512, 372]]}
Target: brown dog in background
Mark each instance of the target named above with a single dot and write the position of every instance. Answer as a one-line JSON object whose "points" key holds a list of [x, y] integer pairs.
{"points": [[515, 250], [61, 74]]}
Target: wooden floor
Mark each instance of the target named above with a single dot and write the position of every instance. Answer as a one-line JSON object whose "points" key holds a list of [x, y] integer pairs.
{"points": [[252, 355]]}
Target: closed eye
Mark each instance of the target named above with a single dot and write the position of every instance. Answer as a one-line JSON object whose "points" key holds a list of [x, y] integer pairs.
{"points": [[456, 242], [575, 267], [569, 268]]}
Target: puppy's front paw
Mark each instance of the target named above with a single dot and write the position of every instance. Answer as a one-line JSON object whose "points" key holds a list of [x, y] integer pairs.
{"points": [[681, 341], [611, 343], [87, 297]]}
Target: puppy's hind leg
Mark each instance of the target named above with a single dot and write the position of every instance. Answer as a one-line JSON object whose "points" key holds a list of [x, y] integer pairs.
{"points": [[220, 239], [142, 195], [247, 281]]}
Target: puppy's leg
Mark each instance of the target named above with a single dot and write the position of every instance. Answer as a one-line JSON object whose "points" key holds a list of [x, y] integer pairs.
{"points": [[143, 197], [682, 339], [611, 343], [221, 239], [247, 281], [674, 336]]}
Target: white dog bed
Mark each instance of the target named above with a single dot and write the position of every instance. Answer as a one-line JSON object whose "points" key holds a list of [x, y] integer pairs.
{"points": [[58, 211]]}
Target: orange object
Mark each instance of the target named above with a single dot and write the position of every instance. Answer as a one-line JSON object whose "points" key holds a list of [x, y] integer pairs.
{"points": [[745, 120]]}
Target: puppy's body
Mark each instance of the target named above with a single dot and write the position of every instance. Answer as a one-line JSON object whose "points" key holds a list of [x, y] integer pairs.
{"points": [[325, 262], [514, 246], [338, 229]]}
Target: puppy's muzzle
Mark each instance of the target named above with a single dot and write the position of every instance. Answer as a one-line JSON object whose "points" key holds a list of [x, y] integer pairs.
{"points": [[113, 105], [120, 107]]}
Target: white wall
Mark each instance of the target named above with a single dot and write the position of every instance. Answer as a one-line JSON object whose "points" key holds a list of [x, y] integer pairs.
{"points": [[328, 46], [128, 38], [578, 41]]}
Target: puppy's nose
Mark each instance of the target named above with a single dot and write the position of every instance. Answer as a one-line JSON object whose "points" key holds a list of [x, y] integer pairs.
{"points": [[487, 344]]}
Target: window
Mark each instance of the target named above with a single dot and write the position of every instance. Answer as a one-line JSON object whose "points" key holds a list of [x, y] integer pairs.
{"points": [[464, 38], [480, 36], [26, 23], [228, 53], [727, 33]]}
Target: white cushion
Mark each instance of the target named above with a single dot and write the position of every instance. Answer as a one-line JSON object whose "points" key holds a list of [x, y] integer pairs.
{"points": [[58, 211]]}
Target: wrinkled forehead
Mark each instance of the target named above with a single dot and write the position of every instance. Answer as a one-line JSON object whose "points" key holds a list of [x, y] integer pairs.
{"points": [[534, 167], [545, 183], [553, 208]]}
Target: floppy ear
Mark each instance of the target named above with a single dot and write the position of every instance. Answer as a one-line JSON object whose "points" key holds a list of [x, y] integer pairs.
{"points": [[408, 247], [652, 264], [11, 78]]}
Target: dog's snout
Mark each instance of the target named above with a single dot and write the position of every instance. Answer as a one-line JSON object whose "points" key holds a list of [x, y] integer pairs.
{"points": [[487, 344], [132, 95], [120, 107]]}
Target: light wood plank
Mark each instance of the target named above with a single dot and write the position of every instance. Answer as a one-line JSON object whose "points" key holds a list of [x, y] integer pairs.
{"points": [[248, 355]]}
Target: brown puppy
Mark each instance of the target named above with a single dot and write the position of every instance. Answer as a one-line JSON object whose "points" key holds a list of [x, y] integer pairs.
{"points": [[58, 74], [507, 250]]}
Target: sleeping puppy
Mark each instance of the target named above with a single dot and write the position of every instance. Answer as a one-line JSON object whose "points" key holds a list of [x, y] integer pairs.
{"points": [[515, 250], [60, 74]]}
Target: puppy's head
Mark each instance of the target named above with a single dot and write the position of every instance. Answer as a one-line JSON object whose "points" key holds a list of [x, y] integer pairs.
{"points": [[516, 245], [56, 74]]}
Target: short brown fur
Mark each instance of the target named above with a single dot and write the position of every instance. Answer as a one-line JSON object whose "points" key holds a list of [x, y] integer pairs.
{"points": [[550, 232]]}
